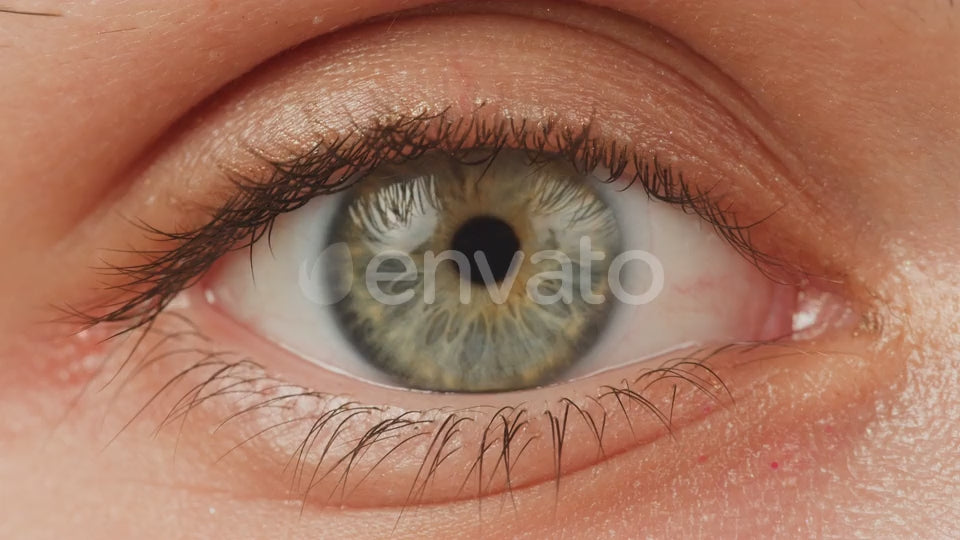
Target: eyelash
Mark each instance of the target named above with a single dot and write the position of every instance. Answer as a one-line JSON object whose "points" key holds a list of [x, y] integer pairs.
{"points": [[331, 166], [328, 450], [337, 164]]}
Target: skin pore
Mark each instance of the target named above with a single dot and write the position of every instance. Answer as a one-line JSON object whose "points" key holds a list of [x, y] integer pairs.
{"points": [[835, 123]]}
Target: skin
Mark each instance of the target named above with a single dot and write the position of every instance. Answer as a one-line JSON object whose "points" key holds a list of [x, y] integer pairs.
{"points": [[841, 114]]}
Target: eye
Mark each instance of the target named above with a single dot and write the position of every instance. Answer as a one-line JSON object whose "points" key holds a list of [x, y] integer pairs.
{"points": [[495, 271], [274, 298]]}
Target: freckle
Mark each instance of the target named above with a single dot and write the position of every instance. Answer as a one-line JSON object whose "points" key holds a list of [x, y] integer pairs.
{"points": [[774, 465]]}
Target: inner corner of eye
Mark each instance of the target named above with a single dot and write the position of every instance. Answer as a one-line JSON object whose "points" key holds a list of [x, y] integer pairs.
{"points": [[494, 275]]}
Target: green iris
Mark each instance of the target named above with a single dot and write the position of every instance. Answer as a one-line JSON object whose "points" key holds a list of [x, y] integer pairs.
{"points": [[470, 275]]}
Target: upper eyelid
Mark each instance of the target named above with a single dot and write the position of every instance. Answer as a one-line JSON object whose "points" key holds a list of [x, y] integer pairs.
{"points": [[187, 156], [184, 133], [199, 34], [660, 47]]}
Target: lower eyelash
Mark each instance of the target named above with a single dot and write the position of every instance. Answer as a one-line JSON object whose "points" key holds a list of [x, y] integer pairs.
{"points": [[342, 443]]}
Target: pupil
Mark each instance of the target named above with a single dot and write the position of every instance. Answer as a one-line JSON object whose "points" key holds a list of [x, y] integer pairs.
{"points": [[491, 236]]}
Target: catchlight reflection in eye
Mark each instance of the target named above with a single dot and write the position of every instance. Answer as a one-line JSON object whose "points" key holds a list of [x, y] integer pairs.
{"points": [[494, 272]]}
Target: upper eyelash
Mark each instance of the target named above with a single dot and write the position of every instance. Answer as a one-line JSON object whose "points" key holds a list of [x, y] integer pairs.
{"points": [[146, 288]]}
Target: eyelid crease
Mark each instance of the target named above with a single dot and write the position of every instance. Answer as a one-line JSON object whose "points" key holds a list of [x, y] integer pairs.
{"points": [[183, 257], [622, 28]]}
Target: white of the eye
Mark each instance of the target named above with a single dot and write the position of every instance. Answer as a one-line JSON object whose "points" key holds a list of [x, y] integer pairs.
{"points": [[709, 294], [287, 298]]}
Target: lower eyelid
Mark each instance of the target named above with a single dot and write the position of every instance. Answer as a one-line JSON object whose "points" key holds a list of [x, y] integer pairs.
{"points": [[343, 446]]}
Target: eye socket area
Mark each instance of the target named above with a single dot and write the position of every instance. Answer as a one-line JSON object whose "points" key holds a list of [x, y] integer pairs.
{"points": [[545, 409]]}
